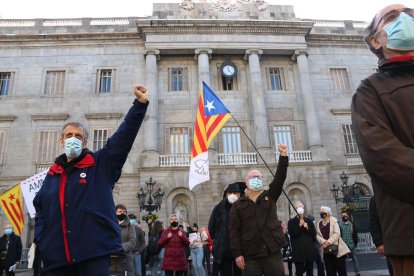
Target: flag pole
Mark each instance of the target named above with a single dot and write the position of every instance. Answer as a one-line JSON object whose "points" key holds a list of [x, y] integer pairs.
{"points": [[261, 157]]}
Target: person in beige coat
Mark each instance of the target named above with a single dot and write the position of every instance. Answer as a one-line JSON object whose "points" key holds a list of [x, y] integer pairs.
{"points": [[327, 233]]}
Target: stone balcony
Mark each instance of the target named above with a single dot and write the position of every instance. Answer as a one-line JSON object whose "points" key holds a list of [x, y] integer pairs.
{"points": [[183, 160], [298, 156], [353, 159]]}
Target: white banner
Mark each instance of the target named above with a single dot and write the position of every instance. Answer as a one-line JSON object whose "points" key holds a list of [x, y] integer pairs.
{"points": [[199, 170], [30, 187]]}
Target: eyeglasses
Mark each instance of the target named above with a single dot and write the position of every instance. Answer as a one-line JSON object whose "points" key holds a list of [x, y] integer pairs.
{"points": [[393, 15]]}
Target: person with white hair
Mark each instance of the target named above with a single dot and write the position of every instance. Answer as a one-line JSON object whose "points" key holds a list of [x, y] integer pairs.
{"points": [[334, 249]]}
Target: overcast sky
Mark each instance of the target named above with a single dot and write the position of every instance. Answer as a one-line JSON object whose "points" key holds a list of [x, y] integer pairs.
{"points": [[307, 9]]}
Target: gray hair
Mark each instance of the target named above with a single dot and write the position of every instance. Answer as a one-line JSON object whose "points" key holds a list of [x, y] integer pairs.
{"points": [[368, 33], [78, 125]]}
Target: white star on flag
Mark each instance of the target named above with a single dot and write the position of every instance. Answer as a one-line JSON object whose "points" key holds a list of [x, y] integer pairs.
{"points": [[210, 105]]}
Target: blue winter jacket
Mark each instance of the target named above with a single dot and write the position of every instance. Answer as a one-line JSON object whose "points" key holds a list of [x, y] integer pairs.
{"points": [[75, 212]]}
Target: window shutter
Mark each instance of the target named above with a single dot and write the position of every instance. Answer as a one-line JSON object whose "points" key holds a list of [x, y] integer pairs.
{"points": [[169, 80], [167, 149], [185, 79], [2, 145]]}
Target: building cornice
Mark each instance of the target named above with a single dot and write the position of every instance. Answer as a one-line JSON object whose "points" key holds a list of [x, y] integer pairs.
{"points": [[338, 39], [337, 112], [103, 116], [50, 117], [174, 26], [7, 118]]}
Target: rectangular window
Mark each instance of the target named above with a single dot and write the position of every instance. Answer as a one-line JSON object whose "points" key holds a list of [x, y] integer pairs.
{"points": [[340, 79], [177, 75], [179, 140], [47, 147], [283, 135], [276, 79], [105, 81], [231, 140], [349, 139], [5, 82], [55, 82], [2, 145], [100, 136]]}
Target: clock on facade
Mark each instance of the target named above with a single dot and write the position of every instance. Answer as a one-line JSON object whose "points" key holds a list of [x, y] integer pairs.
{"points": [[228, 69]]}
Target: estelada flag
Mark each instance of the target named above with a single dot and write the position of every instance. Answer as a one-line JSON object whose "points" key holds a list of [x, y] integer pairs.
{"points": [[11, 203], [211, 117]]}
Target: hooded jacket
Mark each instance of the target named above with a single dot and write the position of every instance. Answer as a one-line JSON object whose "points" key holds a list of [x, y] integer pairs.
{"points": [[75, 210], [383, 125], [255, 230]]}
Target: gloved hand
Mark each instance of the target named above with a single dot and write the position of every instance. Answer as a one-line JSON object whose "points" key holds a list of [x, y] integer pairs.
{"points": [[12, 268]]}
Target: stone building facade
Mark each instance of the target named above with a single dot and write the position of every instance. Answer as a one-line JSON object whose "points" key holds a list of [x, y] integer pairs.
{"points": [[294, 83]]}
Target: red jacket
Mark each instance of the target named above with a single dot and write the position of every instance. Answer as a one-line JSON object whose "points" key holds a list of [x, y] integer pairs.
{"points": [[174, 253]]}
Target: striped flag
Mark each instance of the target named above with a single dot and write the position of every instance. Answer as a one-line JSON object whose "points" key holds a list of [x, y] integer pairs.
{"points": [[11, 202], [211, 116]]}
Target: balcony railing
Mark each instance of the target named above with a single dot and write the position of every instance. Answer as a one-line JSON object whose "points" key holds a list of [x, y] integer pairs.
{"points": [[42, 167], [175, 160], [298, 156], [353, 159], [237, 158]]}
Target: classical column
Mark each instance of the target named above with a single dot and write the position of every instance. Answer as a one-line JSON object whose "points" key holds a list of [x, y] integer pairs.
{"points": [[203, 56], [311, 118], [151, 123], [257, 100]]}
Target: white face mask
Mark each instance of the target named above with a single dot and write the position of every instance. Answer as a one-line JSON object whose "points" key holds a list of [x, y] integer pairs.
{"points": [[300, 210], [232, 198]]}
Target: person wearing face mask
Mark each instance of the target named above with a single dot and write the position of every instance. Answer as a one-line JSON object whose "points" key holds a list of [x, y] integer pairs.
{"points": [[383, 123], [255, 239], [218, 225], [123, 261], [302, 235], [174, 240], [76, 227], [328, 233], [139, 246], [10, 251], [350, 236]]}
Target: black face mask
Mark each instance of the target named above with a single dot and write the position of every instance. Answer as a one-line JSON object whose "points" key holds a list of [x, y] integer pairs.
{"points": [[344, 219], [323, 215], [121, 217], [174, 224]]}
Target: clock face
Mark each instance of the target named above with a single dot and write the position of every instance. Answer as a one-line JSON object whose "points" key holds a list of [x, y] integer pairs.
{"points": [[228, 70]]}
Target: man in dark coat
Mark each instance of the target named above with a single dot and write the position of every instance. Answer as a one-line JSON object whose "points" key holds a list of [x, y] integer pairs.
{"points": [[383, 123], [10, 251], [218, 227], [256, 236], [76, 226], [302, 235]]}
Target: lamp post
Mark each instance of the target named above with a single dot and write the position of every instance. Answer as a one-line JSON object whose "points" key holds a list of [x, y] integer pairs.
{"points": [[350, 194], [154, 199]]}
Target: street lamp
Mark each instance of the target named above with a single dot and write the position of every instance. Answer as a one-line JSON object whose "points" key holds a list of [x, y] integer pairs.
{"points": [[350, 193], [153, 201]]}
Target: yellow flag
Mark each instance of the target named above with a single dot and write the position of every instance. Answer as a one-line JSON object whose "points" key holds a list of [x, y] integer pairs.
{"points": [[11, 202]]}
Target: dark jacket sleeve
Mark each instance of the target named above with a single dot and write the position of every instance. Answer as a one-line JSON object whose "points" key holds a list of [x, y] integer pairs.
{"points": [[275, 188], [141, 241], [212, 223], [374, 224], [18, 249], [39, 218], [120, 143], [376, 140], [235, 238]]}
